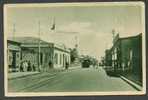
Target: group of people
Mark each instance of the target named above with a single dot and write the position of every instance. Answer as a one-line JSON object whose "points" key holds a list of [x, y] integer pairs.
{"points": [[27, 66]]}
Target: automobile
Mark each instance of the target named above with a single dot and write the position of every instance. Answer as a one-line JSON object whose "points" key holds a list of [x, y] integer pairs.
{"points": [[86, 63]]}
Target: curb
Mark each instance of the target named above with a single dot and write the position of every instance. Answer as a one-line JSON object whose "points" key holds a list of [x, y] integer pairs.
{"points": [[136, 86], [22, 76], [37, 73]]}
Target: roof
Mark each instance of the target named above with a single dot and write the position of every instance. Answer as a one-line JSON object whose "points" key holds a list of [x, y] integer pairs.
{"points": [[61, 47], [34, 42], [129, 37], [13, 42], [30, 41], [27, 40], [12, 45]]}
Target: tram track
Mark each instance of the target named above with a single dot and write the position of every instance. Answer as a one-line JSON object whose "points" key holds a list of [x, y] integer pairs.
{"points": [[43, 81], [38, 84]]}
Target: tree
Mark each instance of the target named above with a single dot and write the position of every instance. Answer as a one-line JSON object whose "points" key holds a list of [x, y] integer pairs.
{"points": [[73, 54]]}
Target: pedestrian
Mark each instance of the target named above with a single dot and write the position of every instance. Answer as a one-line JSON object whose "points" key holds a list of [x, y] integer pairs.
{"points": [[21, 67], [67, 65], [50, 64], [33, 67], [25, 65], [29, 66]]}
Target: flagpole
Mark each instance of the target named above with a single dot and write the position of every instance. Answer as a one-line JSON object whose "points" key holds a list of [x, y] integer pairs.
{"points": [[53, 25], [14, 31]]}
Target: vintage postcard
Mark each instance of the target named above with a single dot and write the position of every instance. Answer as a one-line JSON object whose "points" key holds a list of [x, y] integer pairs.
{"points": [[72, 49]]}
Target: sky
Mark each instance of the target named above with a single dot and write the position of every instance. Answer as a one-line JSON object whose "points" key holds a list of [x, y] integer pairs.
{"points": [[92, 25]]}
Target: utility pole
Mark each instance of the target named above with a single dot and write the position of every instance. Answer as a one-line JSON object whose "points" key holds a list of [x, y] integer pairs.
{"points": [[76, 39], [39, 48], [76, 47], [113, 33], [14, 30]]}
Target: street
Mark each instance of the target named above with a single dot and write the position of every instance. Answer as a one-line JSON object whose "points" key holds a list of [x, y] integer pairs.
{"points": [[72, 80]]}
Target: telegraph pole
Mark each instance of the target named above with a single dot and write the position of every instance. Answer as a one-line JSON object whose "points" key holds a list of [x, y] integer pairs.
{"points": [[39, 48], [113, 34], [76, 47], [76, 39]]}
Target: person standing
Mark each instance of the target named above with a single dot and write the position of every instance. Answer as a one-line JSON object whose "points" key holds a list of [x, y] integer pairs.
{"points": [[33, 67], [50, 64], [29, 66], [67, 65], [25, 65], [21, 67]]}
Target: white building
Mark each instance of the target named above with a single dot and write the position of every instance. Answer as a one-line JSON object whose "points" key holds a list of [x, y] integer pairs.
{"points": [[61, 56]]}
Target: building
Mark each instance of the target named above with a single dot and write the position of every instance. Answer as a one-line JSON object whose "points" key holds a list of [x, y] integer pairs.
{"points": [[126, 57], [108, 58], [13, 57], [61, 56], [42, 55]]}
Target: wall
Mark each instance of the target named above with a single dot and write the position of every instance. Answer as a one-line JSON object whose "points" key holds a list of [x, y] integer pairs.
{"points": [[60, 58], [32, 54], [131, 50], [126, 58]]}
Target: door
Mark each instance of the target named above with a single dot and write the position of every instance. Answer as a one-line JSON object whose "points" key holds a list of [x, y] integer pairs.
{"points": [[13, 61]]}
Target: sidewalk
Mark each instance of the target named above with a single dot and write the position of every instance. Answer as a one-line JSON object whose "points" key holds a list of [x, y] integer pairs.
{"points": [[20, 74], [14, 75], [136, 86]]}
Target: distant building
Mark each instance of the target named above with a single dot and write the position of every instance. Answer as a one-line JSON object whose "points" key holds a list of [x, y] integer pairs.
{"points": [[108, 58], [51, 54], [125, 57]]}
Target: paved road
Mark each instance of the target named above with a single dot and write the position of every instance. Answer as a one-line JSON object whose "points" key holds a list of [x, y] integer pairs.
{"points": [[76, 80]]}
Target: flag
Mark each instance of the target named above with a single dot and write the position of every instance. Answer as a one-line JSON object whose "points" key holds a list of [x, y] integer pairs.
{"points": [[53, 26]]}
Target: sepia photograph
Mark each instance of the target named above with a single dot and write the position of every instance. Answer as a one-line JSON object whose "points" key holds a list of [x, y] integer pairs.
{"points": [[74, 49]]}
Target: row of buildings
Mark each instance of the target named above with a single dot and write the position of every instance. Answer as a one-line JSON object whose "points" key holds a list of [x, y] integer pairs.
{"points": [[125, 58], [26, 49]]}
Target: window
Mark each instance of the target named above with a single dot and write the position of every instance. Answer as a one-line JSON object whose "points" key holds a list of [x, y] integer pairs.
{"points": [[56, 58], [60, 58]]}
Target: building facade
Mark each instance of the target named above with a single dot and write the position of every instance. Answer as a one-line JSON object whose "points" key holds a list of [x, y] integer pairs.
{"points": [[38, 58], [13, 57], [125, 57], [61, 56], [37, 55]]}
